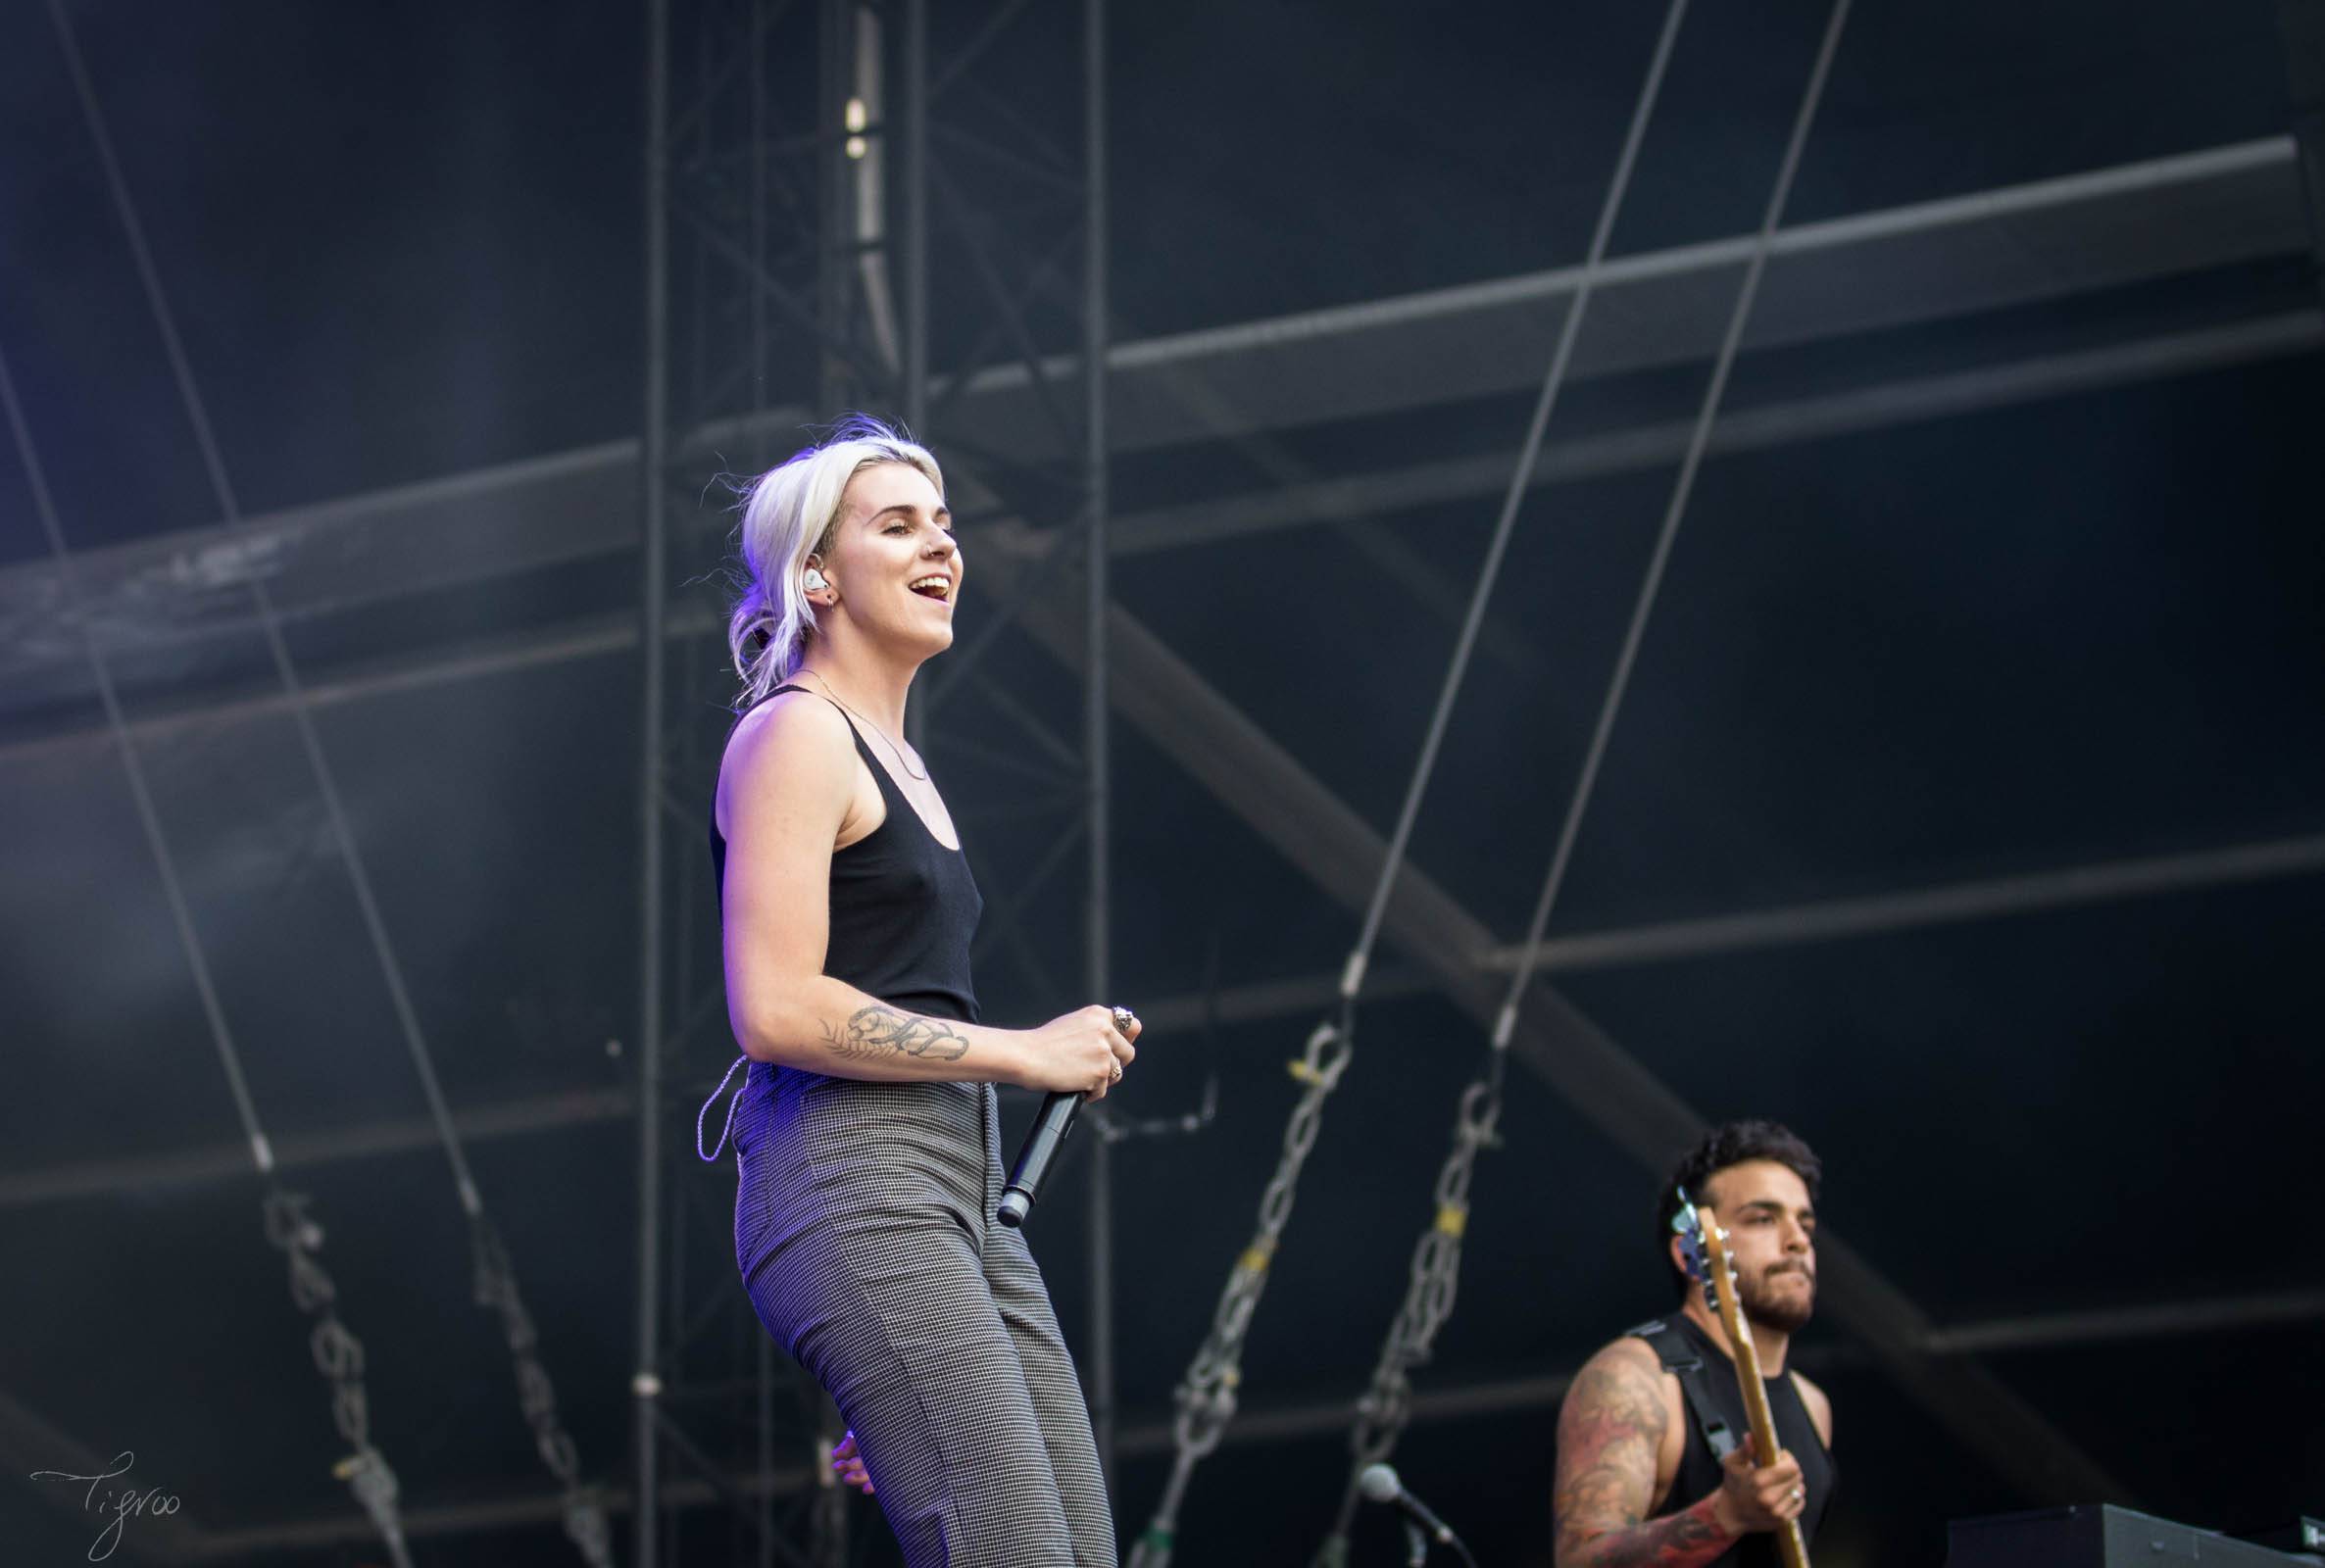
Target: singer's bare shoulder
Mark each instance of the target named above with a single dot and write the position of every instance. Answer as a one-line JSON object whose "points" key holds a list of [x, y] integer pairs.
{"points": [[796, 724], [791, 755]]}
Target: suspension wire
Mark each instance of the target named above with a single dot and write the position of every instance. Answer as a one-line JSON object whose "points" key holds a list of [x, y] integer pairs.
{"points": [[495, 1280], [1386, 1406], [1207, 1394], [338, 1353], [1351, 979]]}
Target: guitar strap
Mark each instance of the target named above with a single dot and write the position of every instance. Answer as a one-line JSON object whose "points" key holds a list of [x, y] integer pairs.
{"points": [[1679, 1358]]}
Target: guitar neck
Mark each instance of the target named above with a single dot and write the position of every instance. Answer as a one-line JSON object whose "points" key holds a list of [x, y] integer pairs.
{"points": [[1708, 1261], [1790, 1544], [1757, 1408]]}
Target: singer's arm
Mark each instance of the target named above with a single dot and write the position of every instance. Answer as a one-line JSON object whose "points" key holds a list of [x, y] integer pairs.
{"points": [[1609, 1431], [786, 792]]}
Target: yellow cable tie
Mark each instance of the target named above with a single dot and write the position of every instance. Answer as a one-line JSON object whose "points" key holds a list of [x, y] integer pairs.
{"points": [[1452, 1219], [1256, 1257], [1302, 1071]]}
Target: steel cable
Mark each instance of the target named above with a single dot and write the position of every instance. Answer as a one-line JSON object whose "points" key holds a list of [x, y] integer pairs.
{"points": [[1206, 1396], [496, 1284], [1386, 1405], [336, 1352]]}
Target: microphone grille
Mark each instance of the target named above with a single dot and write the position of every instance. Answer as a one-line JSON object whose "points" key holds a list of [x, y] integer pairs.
{"points": [[1379, 1483]]}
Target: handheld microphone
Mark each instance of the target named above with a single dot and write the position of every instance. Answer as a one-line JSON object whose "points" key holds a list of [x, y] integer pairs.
{"points": [[1039, 1151], [1379, 1483], [1043, 1140]]}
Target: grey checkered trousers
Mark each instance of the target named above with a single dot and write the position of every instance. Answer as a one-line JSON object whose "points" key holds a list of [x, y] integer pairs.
{"points": [[864, 1232]]}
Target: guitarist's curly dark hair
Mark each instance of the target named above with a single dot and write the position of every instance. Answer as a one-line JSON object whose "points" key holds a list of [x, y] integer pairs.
{"points": [[1722, 1147]]}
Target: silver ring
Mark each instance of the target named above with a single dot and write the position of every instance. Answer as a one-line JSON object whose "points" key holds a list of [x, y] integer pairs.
{"points": [[1797, 1495], [1124, 1019]]}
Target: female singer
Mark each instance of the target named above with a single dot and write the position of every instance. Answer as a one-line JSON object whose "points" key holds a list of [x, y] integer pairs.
{"points": [[865, 1131]]}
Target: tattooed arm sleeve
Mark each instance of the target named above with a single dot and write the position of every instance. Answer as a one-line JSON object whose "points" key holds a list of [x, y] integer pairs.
{"points": [[1608, 1432]]}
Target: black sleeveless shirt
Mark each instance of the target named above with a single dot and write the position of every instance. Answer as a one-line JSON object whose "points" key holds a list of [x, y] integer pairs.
{"points": [[1698, 1467], [904, 907], [902, 911]]}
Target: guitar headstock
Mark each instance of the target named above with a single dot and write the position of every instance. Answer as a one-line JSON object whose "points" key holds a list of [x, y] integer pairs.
{"points": [[1697, 1246], [1704, 1248], [1702, 1244]]}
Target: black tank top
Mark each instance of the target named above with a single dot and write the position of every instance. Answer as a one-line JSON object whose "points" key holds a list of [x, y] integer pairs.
{"points": [[1699, 1468], [904, 907]]}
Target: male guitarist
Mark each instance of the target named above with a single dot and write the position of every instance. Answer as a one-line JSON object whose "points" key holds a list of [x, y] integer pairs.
{"points": [[1654, 1462]]}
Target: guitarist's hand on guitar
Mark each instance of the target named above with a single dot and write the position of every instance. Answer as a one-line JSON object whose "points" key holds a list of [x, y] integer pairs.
{"points": [[1758, 1497]]}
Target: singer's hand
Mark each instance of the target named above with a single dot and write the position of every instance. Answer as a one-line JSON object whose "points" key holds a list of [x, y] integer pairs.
{"points": [[1082, 1053], [848, 1465]]}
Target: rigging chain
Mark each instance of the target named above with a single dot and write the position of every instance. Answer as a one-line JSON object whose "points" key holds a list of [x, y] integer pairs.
{"points": [[338, 1354], [495, 1279], [1387, 1404], [339, 1358], [1206, 1396], [584, 1510]]}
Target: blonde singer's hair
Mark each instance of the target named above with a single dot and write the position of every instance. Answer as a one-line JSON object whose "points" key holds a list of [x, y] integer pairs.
{"points": [[789, 513]]}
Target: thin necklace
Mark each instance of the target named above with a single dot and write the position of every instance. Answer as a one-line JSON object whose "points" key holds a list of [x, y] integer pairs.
{"points": [[869, 725]]}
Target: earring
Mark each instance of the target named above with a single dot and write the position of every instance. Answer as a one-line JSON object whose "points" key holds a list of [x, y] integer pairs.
{"points": [[815, 581]]}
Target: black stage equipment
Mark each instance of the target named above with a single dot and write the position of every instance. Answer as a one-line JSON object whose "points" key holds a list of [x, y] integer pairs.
{"points": [[2100, 1536]]}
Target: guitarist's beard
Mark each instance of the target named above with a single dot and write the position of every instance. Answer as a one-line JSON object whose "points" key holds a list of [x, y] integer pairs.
{"points": [[1774, 1300]]}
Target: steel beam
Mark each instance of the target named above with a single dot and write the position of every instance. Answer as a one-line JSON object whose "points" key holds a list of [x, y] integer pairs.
{"points": [[580, 522], [1098, 1345], [230, 1161], [1919, 909], [561, 1109], [2114, 1325], [1984, 250], [2303, 26], [913, 235], [2105, 881], [645, 1380], [1877, 406], [1964, 254]]}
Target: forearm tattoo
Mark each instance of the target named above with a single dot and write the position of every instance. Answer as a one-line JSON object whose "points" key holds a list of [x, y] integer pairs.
{"points": [[878, 1033], [1681, 1541], [1609, 1433]]}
